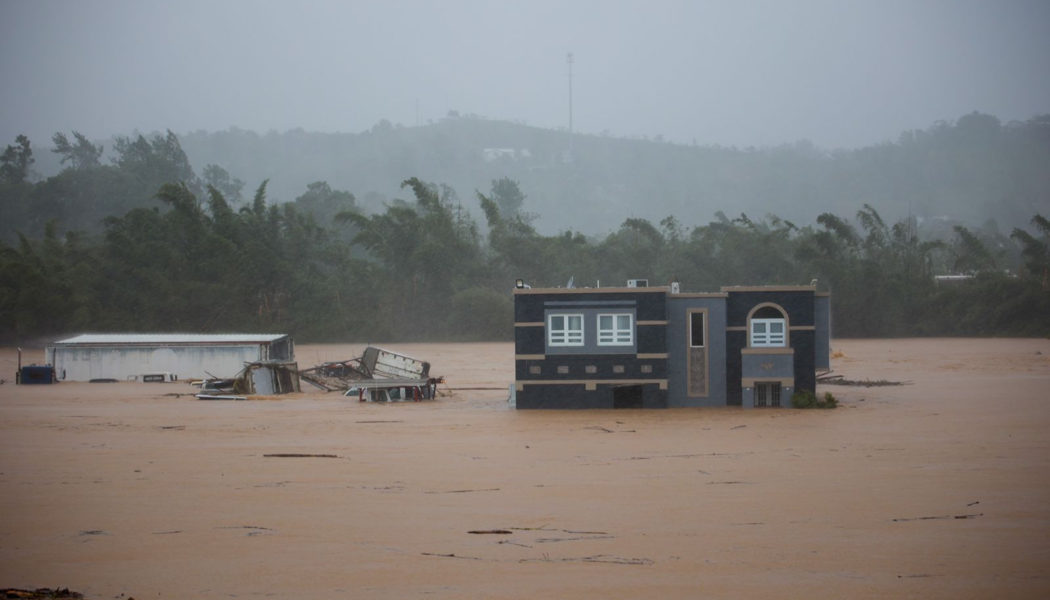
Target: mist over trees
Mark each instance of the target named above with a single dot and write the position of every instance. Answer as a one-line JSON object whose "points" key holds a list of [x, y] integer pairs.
{"points": [[966, 171], [971, 170], [140, 242]]}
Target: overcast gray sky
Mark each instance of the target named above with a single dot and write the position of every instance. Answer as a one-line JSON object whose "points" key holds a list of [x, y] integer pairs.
{"points": [[841, 73]]}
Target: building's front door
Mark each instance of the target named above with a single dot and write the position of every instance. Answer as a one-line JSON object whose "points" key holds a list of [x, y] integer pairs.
{"points": [[628, 396], [767, 393]]}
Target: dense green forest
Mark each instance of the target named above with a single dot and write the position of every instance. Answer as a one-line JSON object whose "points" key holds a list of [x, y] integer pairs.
{"points": [[176, 251]]}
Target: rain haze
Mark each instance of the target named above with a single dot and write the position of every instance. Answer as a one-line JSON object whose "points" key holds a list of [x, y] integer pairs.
{"points": [[840, 74]]}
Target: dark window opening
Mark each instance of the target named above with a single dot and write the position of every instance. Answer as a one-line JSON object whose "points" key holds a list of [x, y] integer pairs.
{"points": [[627, 396], [768, 312], [696, 329]]}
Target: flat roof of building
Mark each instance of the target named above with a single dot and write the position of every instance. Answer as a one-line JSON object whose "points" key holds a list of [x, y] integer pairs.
{"points": [[769, 288], [159, 339], [667, 290], [663, 289]]}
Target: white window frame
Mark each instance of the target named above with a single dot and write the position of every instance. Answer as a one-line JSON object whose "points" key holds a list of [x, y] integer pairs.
{"points": [[616, 335], [767, 338], [567, 335]]}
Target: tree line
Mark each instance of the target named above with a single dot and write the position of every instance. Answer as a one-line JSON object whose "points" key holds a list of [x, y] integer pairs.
{"points": [[199, 257]]}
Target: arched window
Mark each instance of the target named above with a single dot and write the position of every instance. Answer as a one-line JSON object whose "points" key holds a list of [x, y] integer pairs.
{"points": [[767, 327]]}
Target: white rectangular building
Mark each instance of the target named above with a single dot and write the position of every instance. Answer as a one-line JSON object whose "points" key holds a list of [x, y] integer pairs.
{"points": [[129, 356]]}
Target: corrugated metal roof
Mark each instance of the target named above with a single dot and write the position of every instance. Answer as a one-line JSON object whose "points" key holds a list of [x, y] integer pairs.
{"points": [[171, 338]]}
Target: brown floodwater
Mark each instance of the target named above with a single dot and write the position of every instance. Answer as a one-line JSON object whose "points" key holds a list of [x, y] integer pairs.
{"points": [[939, 488]]}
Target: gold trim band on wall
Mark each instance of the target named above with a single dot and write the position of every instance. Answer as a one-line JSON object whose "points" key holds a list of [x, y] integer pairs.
{"points": [[590, 384], [749, 382], [658, 356], [766, 350], [790, 328]]}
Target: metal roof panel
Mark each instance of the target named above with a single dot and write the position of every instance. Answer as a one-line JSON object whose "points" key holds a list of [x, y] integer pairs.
{"points": [[170, 338]]}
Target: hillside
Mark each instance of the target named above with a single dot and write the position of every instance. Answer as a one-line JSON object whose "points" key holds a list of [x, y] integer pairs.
{"points": [[972, 170], [975, 171]]}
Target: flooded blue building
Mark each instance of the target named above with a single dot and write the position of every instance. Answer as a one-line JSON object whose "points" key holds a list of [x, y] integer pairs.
{"points": [[658, 347]]}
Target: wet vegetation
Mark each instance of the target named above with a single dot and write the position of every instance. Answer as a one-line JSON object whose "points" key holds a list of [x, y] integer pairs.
{"points": [[176, 251], [807, 399]]}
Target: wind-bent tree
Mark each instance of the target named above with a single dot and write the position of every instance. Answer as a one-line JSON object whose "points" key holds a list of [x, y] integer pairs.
{"points": [[507, 195], [970, 255], [1036, 252], [429, 251], [219, 178], [16, 161], [156, 161], [324, 203], [80, 155]]}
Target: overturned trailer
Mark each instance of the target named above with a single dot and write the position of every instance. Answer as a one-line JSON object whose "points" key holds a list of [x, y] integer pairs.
{"points": [[270, 377], [263, 378], [377, 375]]}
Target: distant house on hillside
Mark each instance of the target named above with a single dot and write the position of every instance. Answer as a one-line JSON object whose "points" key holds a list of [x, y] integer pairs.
{"points": [[123, 356], [493, 154], [655, 347]]}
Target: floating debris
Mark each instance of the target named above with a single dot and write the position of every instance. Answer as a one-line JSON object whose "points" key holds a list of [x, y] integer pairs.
{"points": [[973, 516], [377, 375], [829, 379], [39, 593], [296, 455]]}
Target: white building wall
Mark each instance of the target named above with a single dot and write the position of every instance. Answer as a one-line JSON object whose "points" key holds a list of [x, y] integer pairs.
{"points": [[122, 363]]}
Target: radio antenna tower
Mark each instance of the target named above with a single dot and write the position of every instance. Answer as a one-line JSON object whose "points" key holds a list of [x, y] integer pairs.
{"points": [[569, 60]]}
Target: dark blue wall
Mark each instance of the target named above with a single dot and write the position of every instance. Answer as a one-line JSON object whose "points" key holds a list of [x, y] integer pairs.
{"points": [[576, 396], [800, 307], [647, 305], [797, 303]]}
